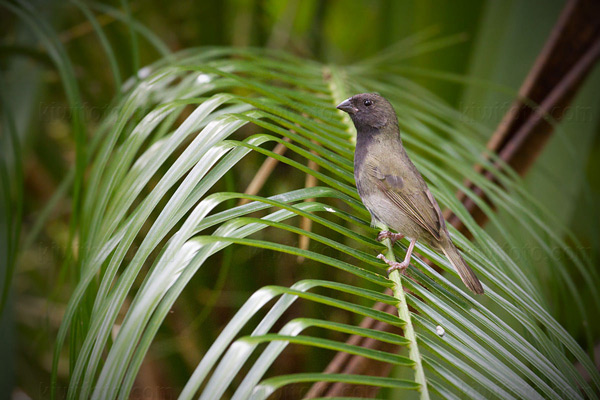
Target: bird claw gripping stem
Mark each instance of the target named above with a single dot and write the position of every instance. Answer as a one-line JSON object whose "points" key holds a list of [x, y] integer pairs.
{"points": [[394, 265], [394, 237]]}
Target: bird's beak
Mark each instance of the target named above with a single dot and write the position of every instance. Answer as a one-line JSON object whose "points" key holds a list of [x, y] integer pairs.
{"points": [[347, 106]]}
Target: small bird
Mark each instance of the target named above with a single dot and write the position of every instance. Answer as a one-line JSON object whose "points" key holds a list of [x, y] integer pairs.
{"points": [[392, 188]]}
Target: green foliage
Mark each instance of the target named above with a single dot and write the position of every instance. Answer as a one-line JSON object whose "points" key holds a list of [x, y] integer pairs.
{"points": [[180, 130], [156, 219]]}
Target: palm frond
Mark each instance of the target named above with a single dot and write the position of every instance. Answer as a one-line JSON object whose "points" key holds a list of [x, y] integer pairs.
{"points": [[152, 191]]}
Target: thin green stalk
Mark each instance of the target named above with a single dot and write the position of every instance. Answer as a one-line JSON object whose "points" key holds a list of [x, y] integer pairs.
{"points": [[409, 330], [335, 81], [133, 39], [339, 92]]}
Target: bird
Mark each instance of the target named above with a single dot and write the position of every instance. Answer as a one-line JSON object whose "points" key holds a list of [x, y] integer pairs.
{"points": [[393, 190]]}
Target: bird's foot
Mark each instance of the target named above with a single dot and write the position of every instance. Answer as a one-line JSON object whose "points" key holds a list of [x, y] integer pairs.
{"points": [[394, 237], [394, 265]]}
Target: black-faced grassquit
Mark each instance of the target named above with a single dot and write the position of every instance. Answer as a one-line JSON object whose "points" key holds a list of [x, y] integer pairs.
{"points": [[392, 188]]}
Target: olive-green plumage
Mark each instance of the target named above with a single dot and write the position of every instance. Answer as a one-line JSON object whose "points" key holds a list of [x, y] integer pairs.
{"points": [[392, 188]]}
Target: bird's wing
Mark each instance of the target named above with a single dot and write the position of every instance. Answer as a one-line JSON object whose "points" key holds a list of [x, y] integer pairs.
{"points": [[408, 196]]}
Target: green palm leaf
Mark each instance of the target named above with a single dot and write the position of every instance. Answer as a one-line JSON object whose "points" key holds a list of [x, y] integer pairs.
{"points": [[153, 214]]}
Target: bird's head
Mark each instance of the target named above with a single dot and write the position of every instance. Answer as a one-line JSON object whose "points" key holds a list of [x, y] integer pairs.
{"points": [[369, 110]]}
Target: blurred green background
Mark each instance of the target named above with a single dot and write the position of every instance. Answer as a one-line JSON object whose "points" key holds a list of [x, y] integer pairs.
{"points": [[488, 42]]}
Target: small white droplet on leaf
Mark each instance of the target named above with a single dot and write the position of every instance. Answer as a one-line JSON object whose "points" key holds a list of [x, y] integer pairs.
{"points": [[440, 331], [143, 73], [203, 78], [329, 209]]}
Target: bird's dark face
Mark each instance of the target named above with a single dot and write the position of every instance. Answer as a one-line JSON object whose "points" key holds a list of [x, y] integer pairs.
{"points": [[368, 110]]}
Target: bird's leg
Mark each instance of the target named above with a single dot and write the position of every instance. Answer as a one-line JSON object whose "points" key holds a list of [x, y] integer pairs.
{"points": [[399, 265], [394, 237]]}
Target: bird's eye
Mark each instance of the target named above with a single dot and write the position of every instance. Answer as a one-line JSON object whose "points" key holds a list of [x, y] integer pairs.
{"points": [[368, 102]]}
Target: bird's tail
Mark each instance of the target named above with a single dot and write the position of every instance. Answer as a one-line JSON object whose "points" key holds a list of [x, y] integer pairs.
{"points": [[464, 271]]}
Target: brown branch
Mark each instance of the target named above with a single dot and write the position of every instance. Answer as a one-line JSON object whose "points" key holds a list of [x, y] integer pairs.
{"points": [[264, 172], [348, 364], [306, 223], [583, 371], [566, 59]]}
